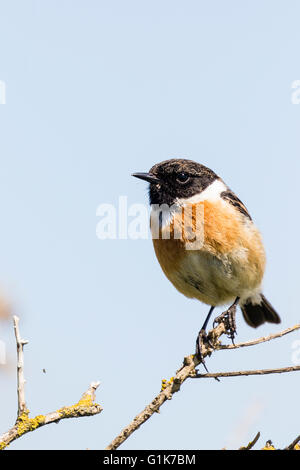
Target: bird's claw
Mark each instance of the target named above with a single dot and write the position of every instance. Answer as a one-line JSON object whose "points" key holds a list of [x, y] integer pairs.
{"points": [[228, 318], [202, 340]]}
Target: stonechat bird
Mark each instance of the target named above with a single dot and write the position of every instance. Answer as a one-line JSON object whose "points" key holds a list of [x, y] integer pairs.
{"points": [[227, 262]]}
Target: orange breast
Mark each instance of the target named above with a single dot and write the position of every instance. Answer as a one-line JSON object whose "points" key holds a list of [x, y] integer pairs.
{"points": [[227, 237]]}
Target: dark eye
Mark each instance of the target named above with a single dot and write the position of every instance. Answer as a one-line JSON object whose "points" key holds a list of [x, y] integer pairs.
{"points": [[182, 177]]}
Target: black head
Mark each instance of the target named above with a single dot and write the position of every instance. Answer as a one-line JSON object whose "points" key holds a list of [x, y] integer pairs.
{"points": [[175, 179]]}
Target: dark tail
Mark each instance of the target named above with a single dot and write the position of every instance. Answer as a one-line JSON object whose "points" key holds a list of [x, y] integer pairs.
{"points": [[257, 314]]}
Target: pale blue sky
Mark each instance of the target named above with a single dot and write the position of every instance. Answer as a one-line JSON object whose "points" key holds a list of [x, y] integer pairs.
{"points": [[95, 91]]}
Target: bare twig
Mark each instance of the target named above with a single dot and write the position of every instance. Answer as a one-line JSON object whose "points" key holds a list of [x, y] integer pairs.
{"points": [[251, 443], [20, 367], [263, 339], [188, 370], [24, 424], [238, 373], [269, 445], [168, 389], [293, 444]]}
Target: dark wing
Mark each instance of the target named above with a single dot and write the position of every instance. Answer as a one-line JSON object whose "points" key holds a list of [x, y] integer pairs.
{"points": [[236, 202]]}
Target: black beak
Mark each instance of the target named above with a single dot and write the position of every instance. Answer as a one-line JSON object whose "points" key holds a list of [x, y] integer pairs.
{"points": [[147, 177]]}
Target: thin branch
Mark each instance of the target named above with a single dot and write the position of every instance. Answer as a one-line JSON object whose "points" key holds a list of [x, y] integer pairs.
{"points": [[20, 367], [263, 339], [86, 406], [246, 372], [293, 444], [187, 370], [24, 424], [251, 443], [168, 389]]}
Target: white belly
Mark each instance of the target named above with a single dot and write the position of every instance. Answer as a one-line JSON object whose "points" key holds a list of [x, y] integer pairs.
{"points": [[216, 281]]}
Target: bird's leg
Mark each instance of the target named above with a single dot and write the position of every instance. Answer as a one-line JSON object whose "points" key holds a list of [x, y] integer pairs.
{"points": [[228, 318], [203, 338]]}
